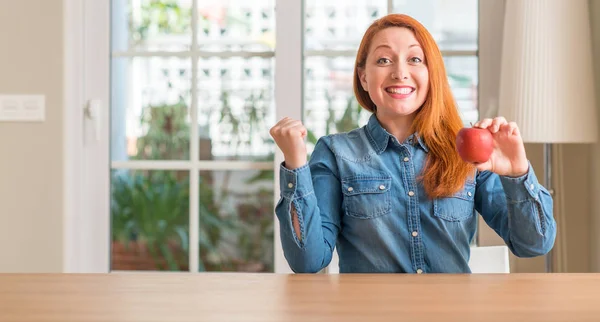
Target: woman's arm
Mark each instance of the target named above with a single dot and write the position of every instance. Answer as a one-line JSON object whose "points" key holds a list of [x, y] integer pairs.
{"points": [[309, 211], [519, 209]]}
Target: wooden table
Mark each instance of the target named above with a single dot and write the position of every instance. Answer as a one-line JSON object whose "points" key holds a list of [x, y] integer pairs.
{"points": [[219, 297]]}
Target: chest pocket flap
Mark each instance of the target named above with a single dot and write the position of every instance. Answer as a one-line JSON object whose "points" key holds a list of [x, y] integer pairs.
{"points": [[457, 207], [366, 197]]}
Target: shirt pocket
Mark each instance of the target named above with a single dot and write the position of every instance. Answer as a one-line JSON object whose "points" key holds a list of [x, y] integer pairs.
{"points": [[366, 198], [458, 207]]}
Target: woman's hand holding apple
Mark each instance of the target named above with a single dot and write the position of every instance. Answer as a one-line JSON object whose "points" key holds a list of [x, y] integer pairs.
{"points": [[501, 150]]}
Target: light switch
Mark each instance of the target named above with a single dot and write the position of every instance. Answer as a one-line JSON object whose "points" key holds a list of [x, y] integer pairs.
{"points": [[22, 108]]}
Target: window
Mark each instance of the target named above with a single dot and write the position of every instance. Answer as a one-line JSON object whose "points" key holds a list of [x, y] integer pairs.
{"points": [[192, 161]]}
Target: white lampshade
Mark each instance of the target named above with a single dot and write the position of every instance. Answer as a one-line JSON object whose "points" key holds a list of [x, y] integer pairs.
{"points": [[546, 80]]}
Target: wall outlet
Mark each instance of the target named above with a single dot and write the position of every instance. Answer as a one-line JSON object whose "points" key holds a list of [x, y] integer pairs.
{"points": [[22, 108]]}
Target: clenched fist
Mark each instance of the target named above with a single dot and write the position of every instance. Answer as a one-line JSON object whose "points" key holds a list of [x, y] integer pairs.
{"points": [[289, 135]]}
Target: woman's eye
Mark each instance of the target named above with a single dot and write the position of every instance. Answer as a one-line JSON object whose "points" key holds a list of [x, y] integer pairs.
{"points": [[416, 60], [383, 61]]}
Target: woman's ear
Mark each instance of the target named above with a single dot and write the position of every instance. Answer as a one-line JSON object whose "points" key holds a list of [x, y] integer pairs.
{"points": [[363, 78]]}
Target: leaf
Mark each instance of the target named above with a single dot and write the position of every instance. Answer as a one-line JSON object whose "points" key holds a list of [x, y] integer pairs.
{"points": [[183, 236], [168, 255], [310, 137]]}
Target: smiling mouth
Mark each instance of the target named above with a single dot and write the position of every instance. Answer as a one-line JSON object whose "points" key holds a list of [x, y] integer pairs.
{"points": [[400, 90]]}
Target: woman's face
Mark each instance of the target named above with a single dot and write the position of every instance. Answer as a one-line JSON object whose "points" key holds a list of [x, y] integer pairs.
{"points": [[395, 73]]}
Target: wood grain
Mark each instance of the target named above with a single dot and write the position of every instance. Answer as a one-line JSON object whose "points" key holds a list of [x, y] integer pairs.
{"points": [[228, 297]]}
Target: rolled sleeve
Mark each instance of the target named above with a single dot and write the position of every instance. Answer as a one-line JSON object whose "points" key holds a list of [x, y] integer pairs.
{"points": [[521, 188], [296, 183]]}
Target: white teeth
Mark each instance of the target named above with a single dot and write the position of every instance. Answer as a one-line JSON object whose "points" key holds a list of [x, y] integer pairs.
{"points": [[402, 90]]}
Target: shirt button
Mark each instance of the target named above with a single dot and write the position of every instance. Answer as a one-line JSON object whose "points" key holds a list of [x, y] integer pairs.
{"points": [[350, 189], [290, 185], [381, 187], [415, 234], [406, 159], [410, 193], [419, 271], [531, 186], [469, 193]]}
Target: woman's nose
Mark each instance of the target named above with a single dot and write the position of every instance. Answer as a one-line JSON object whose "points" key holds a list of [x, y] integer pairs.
{"points": [[400, 73]]}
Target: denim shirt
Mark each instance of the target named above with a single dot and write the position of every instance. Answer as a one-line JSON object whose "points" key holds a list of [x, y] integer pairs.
{"points": [[359, 193]]}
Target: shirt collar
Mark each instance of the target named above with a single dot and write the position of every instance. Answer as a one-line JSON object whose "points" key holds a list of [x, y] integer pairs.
{"points": [[380, 138]]}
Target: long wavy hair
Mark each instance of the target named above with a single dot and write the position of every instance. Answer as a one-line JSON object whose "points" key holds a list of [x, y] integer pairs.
{"points": [[437, 121]]}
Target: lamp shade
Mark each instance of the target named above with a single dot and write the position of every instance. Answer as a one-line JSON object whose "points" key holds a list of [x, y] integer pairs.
{"points": [[546, 78]]}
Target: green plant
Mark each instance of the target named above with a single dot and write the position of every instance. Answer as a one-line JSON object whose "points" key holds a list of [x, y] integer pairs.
{"points": [[348, 121], [253, 217], [160, 16], [168, 17], [167, 133], [351, 116], [247, 124], [152, 207], [260, 235]]}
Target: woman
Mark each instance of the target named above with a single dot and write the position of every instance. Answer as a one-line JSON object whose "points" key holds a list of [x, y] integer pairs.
{"points": [[394, 195]]}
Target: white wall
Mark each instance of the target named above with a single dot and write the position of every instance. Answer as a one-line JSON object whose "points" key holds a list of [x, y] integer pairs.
{"points": [[31, 62]]}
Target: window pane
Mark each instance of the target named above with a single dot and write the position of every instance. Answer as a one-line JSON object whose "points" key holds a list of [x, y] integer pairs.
{"points": [[453, 23], [236, 221], [330, 106], [149, 113], [339, 24], [152, 25], [236, 25], [236, 107], [150, 224], [462, 75]]}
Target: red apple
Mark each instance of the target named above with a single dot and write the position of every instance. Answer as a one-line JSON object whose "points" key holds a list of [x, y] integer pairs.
{"points": [[474, 145]]}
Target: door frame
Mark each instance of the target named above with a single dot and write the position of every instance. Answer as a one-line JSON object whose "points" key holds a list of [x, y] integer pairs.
{"points": [[85, 151]]}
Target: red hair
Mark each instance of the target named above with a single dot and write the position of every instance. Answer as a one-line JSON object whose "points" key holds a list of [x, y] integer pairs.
{"points": [[437, 121]]}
